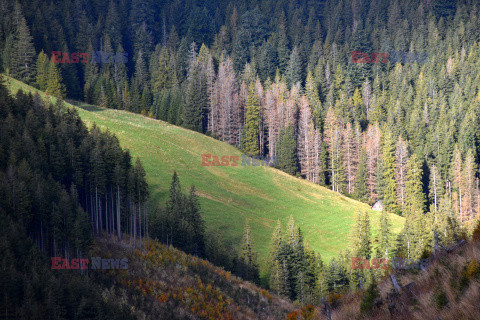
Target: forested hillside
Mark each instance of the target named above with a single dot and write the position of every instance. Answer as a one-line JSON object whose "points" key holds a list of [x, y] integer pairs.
{"points": [[277, 79], [302, 225], [59, 201], [333, 92], [53, 198]]}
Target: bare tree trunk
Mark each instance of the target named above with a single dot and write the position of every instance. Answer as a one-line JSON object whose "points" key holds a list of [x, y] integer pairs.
{"points": [[96, 208], [146, 227], [134, 226], [118, 214]]}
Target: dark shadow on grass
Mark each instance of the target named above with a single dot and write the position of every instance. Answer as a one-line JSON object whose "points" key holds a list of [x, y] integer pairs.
{"points": [[85, 106]]}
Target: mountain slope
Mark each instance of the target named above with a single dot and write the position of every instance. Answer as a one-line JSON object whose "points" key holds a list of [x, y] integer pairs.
{"points": [[447, 289], [229, 194], [166, 283]]}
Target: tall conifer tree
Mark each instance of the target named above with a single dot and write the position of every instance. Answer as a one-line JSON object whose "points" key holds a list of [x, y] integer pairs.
{"points": [[250, 141]]}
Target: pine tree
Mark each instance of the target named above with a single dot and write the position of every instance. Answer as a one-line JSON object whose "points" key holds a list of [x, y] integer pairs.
{"points": [[113, 24], [361, 235], [267, 61], [445, 222], [175, 201], [361, 192], [23, 59], [313, 267], [311, 92], [282, 43], [470, 188], [286, 150], [250, 141], [294, 69], [196, 98], [359, 107], [248, 256], [194, 217], [90, 79], [457, 191], [401, 155], [384, 237], [54, 83], [350, 161], [162, 73], [336, 275], [291, 233], [275, 243], [278, 278], [390, 191], [416, 234], [435, 188], [141, 72], [415, 198], [42, 71]]}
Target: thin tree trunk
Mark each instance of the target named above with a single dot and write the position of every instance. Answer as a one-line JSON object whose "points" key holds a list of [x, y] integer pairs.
{"points": [[118, 214], [96, 208], [134, 226]]}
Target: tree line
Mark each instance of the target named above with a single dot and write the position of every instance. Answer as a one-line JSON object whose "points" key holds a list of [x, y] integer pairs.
{"points": [[64, 182], [179, 223], [51, 203]]}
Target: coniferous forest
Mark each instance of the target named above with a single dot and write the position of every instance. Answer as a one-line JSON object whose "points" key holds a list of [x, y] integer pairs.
{"points": [[276, 79]]}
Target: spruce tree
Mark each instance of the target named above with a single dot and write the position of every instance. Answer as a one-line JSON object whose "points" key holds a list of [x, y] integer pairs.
{"points": [[384, 237], [291, 234], [390, 190], [23, 59], [175, 201], [416, 232], [90, 79], [196, 99], [278, 278], [275, 243], [313, 266], [141, 72], [361, 235], [54, 83], [294, 69], [267, 61], [250, 141], [282, 43], [194, 217], [311, 92], [286, 150], [361, 192], [42, 71], [248, 256], [162, 71], [415, 197]]}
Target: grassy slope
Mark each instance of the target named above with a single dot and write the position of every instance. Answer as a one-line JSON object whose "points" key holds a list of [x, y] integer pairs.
{"points": [[229, 195]]}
